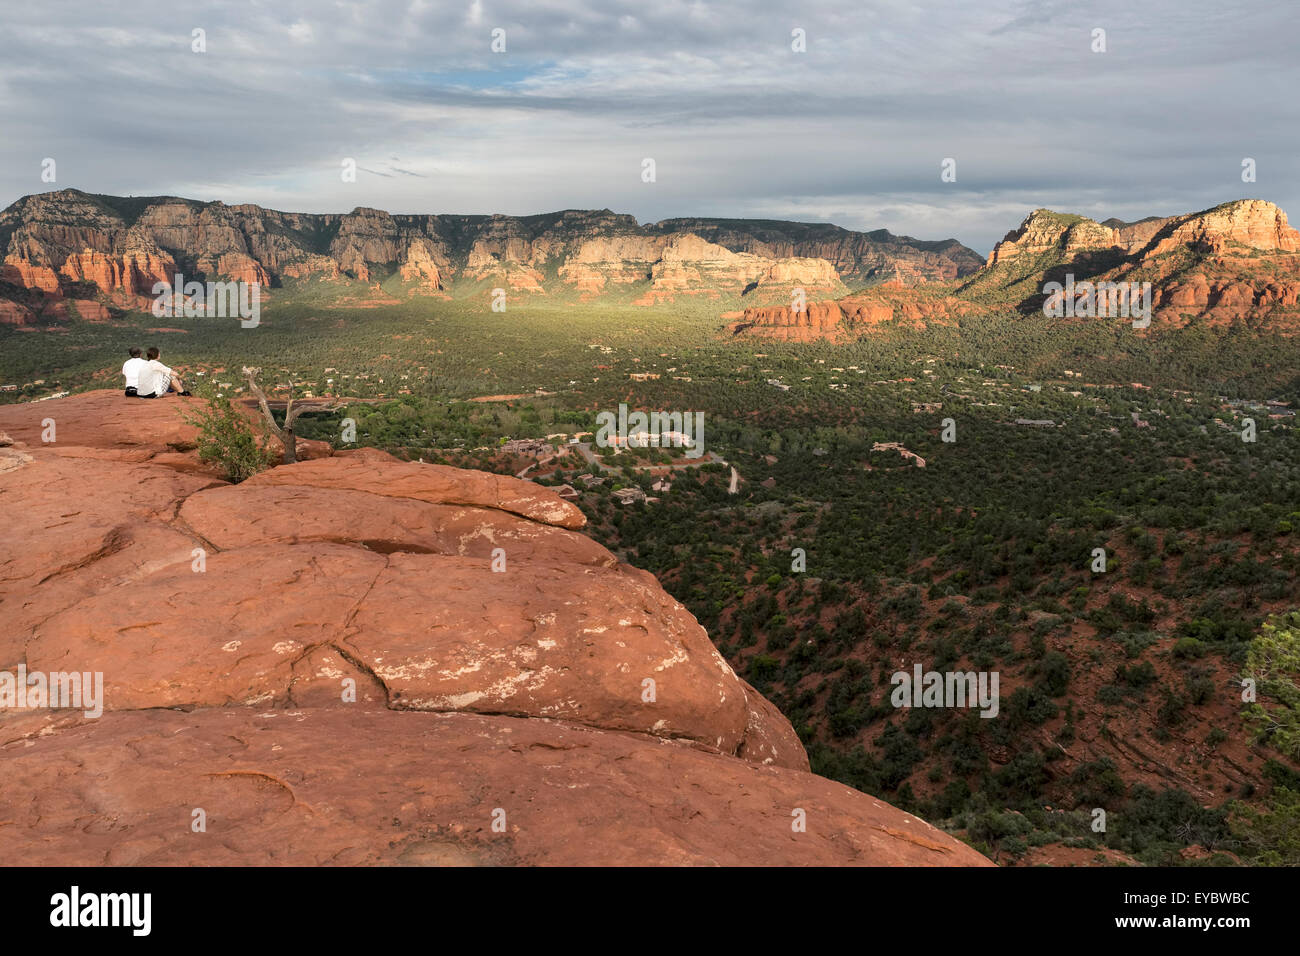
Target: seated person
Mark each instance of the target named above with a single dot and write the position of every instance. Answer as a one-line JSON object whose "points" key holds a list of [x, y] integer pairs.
{"points": [[156, 379], [131, 369]]}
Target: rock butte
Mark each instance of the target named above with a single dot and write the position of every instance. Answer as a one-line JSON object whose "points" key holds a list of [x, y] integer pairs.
{"points": [[477, 691], [845, 318]]}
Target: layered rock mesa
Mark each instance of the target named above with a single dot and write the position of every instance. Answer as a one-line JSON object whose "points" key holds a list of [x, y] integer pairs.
{"points": [[357, 660], [841, 320], [70, 252], [1236, 264], [860, 258]]}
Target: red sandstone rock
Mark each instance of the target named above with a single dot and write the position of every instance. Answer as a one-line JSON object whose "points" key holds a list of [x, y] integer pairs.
{"points": [[434, 483], [1238, 249], [12, 313], [74, 526], [1045, 231], [329, 624], [106, 419], [235, 267], [769, 738], [1249, 222], [252, 512], [365, 786], [90, 311], [847, 317], [92, 266], [422, 268], [229, 635], [563, 641], [20, 272]]}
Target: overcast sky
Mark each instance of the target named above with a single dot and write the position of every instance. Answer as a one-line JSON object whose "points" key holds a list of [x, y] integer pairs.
{"points": [[852, 131]]}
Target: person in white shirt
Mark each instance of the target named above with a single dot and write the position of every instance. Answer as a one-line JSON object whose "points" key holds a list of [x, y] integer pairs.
{"points": [[156, 379], [131, 369]]}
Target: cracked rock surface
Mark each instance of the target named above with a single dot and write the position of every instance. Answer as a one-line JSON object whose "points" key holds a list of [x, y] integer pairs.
{"points": [[324, 661]]}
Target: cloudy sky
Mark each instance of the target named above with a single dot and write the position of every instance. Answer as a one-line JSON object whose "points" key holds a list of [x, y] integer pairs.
{"points": [[852, 131]]}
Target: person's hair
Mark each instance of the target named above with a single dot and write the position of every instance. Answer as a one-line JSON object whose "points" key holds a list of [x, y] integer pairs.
{"points": [[153, 353], [133, 352]]}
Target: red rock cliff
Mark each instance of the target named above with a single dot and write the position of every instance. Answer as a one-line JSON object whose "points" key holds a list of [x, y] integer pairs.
{"points": [[119, 247]]}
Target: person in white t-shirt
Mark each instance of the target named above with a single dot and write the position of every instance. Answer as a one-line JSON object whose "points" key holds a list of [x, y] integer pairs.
{"points": [[156, 379], [131, 369]]}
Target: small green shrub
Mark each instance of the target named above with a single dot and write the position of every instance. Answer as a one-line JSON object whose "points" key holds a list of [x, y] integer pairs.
{"points": [[226, 438]]}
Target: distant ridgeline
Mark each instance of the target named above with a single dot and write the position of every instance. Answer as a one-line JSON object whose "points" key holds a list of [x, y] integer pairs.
{"points": [[70, 254], [1236, 265], [73, 254]]}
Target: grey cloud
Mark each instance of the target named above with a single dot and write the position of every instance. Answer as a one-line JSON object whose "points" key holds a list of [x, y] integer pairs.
{"points": [[852, 131]]}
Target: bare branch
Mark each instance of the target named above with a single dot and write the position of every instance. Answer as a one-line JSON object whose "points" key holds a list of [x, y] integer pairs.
{"points": [[310, 406], [292, 410], [251, 375], [288, 406]]}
